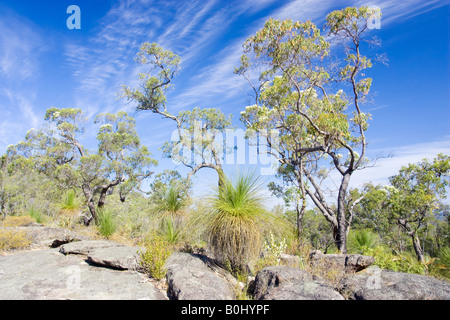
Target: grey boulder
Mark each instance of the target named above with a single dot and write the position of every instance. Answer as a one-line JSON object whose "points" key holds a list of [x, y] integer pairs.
{"points": [[49, 275], [85, 247], [287, 283], [378, 284], [116, 257], [189, 278], [341, 262]]}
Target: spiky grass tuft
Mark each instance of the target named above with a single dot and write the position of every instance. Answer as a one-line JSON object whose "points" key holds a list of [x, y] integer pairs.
{"points": [[235, 228]]}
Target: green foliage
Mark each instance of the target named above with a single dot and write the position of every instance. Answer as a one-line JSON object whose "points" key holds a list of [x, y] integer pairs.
{"points": [[164, 66], [441, 267], [135, 217], [16, 183], [307, 91], [199, 131], [36, 215], [359, 241], [417, 187], [444, 256], [172, 202], [169, 231], [70, 202], [312, 93], [410, 201], [317, 231], [153, 256], [405, 262], [106, 222], [69, 209], [170, 191]]}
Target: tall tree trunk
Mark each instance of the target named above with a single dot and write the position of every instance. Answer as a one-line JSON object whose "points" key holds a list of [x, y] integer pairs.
{"points": [[102, 198], [414, 237], [300, 214], [89, 195], [341, 236], [417, 247], [301, 211]]}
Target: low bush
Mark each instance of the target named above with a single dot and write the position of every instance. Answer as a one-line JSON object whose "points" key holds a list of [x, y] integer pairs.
{"points": [[17, 221], [441, 266], [170, 231], [106, 223], [405, 262], [36, 215], [152, 258], [12, 239], [359, 241], [235, 228]]}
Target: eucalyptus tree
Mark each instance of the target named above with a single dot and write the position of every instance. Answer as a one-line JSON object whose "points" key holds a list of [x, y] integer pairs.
{"points": [[411, 201], [57, 151], [199, 141], [310, 89], [415, 194]]}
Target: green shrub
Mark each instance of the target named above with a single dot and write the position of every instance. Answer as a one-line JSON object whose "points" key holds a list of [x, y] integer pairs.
{"points": [[106, 223], [153, 256], [359, 241], [70, 202], [171, 202], [169, 231], [444, 256], [405, 262], [35, 214], [441, 266], [69, 209]]}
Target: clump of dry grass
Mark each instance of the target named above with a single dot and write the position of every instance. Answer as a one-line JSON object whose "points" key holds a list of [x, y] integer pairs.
{"points": [[13, 239], [17, 221]]}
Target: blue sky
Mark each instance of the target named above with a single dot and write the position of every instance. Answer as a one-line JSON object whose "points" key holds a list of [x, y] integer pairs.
{"points": [[44, 64]]}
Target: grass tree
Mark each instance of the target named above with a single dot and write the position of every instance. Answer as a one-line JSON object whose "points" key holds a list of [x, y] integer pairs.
{"points": [[235, 227]]}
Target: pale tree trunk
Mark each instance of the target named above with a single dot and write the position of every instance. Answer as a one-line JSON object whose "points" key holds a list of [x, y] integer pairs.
{"points": [[414, 237], [301, 211], [89, 195], [341, 237], [417, 248]]}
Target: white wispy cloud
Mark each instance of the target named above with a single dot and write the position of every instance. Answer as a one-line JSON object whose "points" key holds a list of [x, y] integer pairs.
{"points": [[400, 156], [19, 49], [105, 61], [21, 46], [397, 11]]}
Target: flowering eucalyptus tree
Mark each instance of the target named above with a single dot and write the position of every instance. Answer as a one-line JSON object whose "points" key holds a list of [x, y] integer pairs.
{"points": [[311, 88]]}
